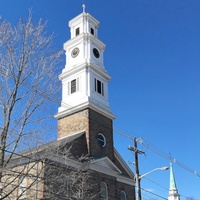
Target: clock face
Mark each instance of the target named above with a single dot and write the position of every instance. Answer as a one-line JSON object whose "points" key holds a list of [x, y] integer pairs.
{"points": [[96, 53], [75, 52]]}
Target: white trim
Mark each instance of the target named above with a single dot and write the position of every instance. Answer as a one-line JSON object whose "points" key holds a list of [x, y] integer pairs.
{"points": [[94, 21], [105, 164], [84, 106], [72, 134], [125, 180], [123, 163], [66, 72], [95, 165]]}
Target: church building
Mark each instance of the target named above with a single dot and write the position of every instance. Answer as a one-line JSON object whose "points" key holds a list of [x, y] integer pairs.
{"points": [[85, 129], [85, 111], [85, 107]]}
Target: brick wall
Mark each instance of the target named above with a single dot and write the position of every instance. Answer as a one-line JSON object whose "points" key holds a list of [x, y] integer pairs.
{"points": [[27, 177], [74, 123], [92, 123], [100, 124], [114, 187], [57, 189]]}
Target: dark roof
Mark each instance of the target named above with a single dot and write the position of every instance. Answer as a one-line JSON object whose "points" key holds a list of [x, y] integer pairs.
{"points": [[53, 145]]}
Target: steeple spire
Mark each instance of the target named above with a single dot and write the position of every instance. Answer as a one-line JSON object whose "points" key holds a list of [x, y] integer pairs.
{"points": [[173, 192], [172, 178]]}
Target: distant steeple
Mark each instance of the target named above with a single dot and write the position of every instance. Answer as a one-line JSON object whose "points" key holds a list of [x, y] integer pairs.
{"points": [[173, 192]]}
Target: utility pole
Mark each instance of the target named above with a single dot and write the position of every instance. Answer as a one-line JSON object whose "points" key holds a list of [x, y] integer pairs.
{"points": [[137, 173]]}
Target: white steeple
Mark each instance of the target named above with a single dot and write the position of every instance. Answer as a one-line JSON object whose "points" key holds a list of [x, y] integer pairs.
{"points": [[173, 192], [84, 78]]}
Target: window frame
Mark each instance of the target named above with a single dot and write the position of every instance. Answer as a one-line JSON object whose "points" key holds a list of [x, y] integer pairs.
{"points": [[104, 191], [73, 86], [92, 31], [77, 31], [124, 195], [22, 188], [102, 142], [98, 86]]}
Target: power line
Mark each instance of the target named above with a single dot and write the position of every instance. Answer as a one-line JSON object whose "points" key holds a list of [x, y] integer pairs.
{"points": [[55, 100], [160, 153], [153, 193], [156, 183], [164, 155]]}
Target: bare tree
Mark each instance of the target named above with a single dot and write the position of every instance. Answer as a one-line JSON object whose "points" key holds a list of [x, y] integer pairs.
{"points": [[28, 63], [69, 180], [49, 172], [65, 183]]}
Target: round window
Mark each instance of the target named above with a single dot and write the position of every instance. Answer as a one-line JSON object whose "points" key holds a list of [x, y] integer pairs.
{"points": [[101, 140], [96, 53]]}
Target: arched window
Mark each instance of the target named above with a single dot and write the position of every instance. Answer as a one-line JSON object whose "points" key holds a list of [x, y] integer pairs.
{"points": [[22, 182], [64, 181], [104, 191], [122, 195]]}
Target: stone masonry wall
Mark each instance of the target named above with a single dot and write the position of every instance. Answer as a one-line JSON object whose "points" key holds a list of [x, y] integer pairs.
{"points": [[74, 123], [92, 123], [100, 124], [31, 175], [114, 187]]}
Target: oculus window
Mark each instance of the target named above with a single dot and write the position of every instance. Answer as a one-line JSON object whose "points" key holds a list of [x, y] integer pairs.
{"points": [[101, 140]]}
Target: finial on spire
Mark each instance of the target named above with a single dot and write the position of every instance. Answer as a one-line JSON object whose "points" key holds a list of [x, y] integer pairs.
{"points": [[83, 8]]}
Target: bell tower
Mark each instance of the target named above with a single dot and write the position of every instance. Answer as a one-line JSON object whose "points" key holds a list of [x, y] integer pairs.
{"points": [[85, 106]]}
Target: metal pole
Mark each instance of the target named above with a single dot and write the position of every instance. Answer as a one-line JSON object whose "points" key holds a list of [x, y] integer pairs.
{"points": [[137, 173]]}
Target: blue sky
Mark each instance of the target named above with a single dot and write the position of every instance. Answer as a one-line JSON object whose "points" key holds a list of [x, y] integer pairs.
{"points": [[153, 56]]}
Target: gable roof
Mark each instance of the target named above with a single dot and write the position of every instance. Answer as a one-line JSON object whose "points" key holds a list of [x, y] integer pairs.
{"points": [[106, 166], [102, 165], [41, 151], [123, 164]]}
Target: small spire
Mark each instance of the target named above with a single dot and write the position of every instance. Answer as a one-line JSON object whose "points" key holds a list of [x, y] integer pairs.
{"points": [[173, 192], [172, 178], [83, 6]]}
